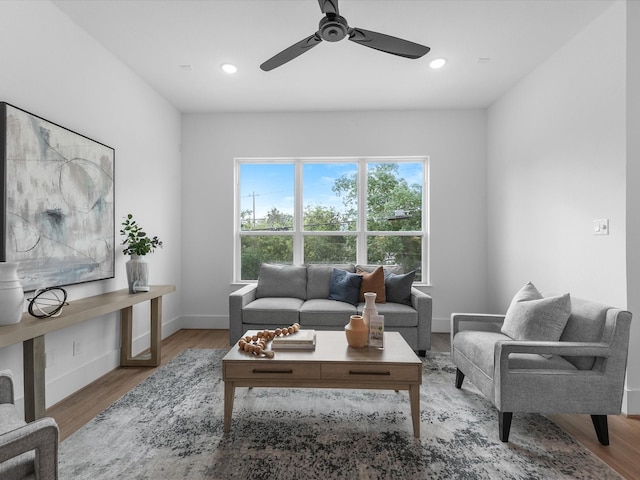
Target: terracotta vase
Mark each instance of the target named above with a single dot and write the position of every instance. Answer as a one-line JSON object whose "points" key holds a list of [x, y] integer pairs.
{"points": [[357, 332], [11, 294]]}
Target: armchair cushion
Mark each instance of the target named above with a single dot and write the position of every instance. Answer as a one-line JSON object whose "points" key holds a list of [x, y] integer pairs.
{"points": [[534, 317]]}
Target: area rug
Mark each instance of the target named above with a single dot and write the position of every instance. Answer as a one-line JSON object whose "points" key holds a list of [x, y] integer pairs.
{"points": [[170, 427]]}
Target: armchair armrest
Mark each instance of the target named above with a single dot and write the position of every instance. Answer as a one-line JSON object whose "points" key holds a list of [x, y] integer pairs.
{"points": [[477, 318], [41, 436], [237, 301]]}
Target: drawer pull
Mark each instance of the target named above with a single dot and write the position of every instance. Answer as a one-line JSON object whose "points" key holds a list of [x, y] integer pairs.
{"points": [[258, 370], [356, 372]]}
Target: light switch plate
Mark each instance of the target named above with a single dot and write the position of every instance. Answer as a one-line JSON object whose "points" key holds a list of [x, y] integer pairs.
{"points": [[601, 226]]}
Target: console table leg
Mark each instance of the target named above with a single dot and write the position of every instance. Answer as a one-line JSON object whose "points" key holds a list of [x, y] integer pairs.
{"points": [[126, 337], [34, 389], [414, 399]]}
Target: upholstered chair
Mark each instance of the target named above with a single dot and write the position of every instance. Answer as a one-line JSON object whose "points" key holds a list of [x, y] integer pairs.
{"points": [[27, 451], [582, 371]]}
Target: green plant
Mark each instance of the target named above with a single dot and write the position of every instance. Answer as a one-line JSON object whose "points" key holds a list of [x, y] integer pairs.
{"points": [[136, 241]]}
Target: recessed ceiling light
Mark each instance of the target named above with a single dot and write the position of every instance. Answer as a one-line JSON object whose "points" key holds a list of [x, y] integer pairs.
{"points": [[438, 63], [186, 67], [229, 68]]}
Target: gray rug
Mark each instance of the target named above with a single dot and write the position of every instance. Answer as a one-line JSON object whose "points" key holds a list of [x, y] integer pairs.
{"points": [[170, 427]]}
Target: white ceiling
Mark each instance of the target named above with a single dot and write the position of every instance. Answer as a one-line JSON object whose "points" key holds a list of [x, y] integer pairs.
{"points": [[155, 38]]}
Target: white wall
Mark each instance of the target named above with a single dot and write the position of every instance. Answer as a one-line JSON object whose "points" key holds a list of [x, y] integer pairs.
{"points": [[54, 69], [556, 161], [454, 141], [633, 200]]}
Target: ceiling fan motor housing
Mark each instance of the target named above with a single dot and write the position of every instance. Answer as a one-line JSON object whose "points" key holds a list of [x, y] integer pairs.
{"points": [[333, 28]]}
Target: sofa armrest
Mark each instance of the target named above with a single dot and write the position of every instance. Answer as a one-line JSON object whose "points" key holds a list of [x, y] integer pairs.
{"points": [[237, 301], [41, 436], [423, 303]]}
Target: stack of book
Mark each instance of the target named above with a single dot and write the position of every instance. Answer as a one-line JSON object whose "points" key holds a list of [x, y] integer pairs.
{"points": [[300, 340]]}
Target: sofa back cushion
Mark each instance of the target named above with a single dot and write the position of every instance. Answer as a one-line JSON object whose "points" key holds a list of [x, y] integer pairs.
{"points": [[585, 324], [282, 281], [319, 278]]}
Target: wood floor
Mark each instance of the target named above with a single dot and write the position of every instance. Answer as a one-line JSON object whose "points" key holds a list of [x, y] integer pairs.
{"points": [[82, 406]]}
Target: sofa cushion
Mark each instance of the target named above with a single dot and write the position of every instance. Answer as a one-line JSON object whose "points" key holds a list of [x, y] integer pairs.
{"points": [[395, 269], [372, 282], [534, 317], [319, 278], [326, 313], [398, 287], [344, 286], [585, 324], [282, 281], [278, 311], [396, 314]]}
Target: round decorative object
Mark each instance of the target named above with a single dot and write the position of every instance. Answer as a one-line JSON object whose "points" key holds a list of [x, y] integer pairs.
{"points": [[138, 274], [11, 294], [47, 302], [357, 332], [369, 307]]}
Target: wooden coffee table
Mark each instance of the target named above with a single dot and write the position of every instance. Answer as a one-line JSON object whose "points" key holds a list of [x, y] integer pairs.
{"points": [[333, 364]]}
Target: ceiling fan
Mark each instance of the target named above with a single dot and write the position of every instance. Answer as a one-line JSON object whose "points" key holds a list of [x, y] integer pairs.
{"points": [[333, 28]]}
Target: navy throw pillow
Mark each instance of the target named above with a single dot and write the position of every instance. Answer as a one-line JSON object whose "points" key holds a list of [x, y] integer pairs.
{"points": [[344, 286], [398, 287]]}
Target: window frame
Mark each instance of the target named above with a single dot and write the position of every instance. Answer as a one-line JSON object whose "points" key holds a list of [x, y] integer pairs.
{"points": [[361, 233]]}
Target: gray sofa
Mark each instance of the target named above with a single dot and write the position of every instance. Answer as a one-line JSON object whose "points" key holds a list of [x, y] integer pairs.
{"points": [[286, 294]]}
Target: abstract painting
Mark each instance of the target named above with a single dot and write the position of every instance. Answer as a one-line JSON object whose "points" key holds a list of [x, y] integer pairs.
{"points": [[57, 202]]}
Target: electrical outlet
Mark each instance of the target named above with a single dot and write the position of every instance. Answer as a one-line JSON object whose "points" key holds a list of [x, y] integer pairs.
{"points": [[77, 350], [49, 358], [601, 226]]}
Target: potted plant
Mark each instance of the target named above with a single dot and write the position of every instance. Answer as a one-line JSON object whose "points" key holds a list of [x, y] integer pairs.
{"points": [[137, 244]]}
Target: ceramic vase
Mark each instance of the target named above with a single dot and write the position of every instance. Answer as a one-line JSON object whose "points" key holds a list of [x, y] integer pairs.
{"points": [[369, 307], [357, 332], [137, 274], [11, 294]]}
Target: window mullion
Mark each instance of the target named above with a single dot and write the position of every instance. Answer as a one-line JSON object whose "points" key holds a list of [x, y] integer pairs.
{"points": [[362, 213], [298, 214]]}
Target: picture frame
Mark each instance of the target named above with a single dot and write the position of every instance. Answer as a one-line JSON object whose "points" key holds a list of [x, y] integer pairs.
{"points": [[57, 202]]}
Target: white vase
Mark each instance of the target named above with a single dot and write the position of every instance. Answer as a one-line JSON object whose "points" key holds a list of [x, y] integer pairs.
{"points": [[138, 274], [11, 294], [369, 307]]}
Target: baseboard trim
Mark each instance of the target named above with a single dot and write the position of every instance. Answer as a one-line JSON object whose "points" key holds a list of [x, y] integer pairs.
{"points": [[440, 325], [205, 322]]}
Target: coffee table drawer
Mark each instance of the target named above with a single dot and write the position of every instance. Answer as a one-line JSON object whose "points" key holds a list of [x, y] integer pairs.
{"points": [[381, 373], [293, 370]]}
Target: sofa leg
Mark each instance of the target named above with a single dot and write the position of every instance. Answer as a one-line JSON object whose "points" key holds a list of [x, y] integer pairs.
{"points": [[422, 353], [459, 378], [504, 424], [602, 428]]}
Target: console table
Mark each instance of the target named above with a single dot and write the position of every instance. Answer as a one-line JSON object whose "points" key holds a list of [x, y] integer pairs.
{"points": [[31, 331]]}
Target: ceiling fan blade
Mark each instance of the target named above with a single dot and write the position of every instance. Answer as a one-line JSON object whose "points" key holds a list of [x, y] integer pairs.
{"points": [[292, 52], [329, 6], [387, 43]]}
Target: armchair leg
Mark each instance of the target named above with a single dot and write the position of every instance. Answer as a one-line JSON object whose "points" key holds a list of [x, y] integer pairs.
{"points": [[602, 428], [459, 378], [504, 424]]}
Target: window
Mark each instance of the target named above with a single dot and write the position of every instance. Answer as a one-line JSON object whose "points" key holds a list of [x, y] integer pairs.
{"points": [[338, 210]]}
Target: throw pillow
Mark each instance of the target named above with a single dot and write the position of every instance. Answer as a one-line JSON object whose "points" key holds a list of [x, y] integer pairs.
{"points": [[344, 286], [372, 282], [282, 281], [534, 317], [398, 287]]}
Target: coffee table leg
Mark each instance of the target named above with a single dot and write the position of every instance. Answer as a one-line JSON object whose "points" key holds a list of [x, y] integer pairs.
{"points": [[229, 394], [414, 399]]}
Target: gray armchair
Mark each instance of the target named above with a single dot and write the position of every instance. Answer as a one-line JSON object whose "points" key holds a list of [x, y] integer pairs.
{"points": [[582, 373], [27, 451]]}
